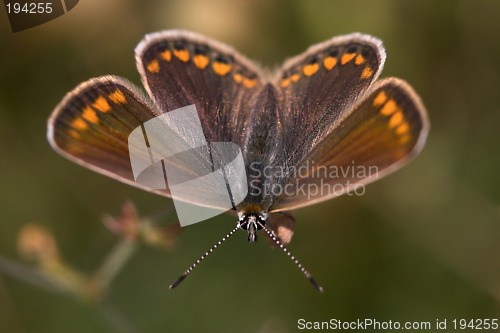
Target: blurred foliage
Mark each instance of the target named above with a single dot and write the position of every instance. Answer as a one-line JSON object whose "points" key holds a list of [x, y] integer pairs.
{"points": [[420, 245]]}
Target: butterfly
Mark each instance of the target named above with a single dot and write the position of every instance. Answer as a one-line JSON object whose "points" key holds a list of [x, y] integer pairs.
{"points": [[320, 123]]}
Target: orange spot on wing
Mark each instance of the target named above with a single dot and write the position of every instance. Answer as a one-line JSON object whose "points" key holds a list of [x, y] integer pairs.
{"points": [[389, 108], [284, 83], [310, 70], [249, 83], [238, 78], [166, 55], [380, 99], [80, 124], [396, 119], [330, 62], [295, 77], [90, 115], [359, 59], [153, 66], [366, 73], [101, 104], [117, 97], [74, 134], [200, 61], [221, 68], [346, 58], [182, 55], [404, 139], [402, 129]]}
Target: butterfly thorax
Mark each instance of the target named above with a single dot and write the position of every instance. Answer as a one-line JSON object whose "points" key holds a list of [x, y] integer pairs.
{"points": [[252, 222]]}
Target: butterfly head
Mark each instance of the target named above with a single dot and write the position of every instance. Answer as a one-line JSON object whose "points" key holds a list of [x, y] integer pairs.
{"points": [[252, 222]]}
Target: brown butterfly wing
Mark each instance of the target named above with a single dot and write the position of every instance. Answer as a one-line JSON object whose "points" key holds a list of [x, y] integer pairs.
{"points": [[91, 125], [381, 134], [181, 68], [319, 86], [313, 91]]}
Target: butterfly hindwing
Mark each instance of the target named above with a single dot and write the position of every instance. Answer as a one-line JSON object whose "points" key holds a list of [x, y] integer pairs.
{"points": [[382, 133], [91, 125]]}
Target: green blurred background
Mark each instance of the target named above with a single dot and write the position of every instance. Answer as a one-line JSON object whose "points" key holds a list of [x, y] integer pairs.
{"points": [[422, 244]]}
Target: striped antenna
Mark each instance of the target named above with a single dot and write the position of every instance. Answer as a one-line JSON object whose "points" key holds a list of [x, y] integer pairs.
{"points": [[190, 269], [299, 265]]}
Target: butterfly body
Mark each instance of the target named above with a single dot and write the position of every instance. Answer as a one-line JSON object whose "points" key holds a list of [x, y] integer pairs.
{"points": [[320, 127]]}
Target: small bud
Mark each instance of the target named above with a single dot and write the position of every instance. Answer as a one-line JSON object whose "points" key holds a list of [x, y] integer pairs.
{"points": [[127, 224], [36, 243]]}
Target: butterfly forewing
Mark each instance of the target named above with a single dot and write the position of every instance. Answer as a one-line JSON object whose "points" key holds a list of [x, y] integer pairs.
{"points": [[180, 68], [317, 87], [382, 133]]}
